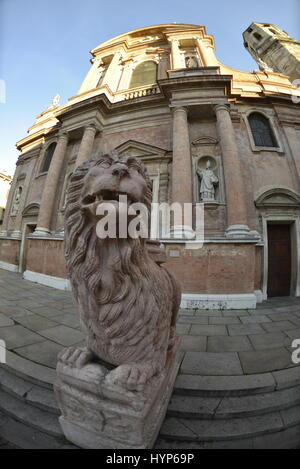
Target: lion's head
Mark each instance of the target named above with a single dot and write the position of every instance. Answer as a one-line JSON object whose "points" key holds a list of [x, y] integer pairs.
{"points": [[103, 179]]}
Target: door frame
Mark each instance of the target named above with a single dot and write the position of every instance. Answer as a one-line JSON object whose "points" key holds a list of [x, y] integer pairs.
{"points": [[23, 243], [294, 221]]}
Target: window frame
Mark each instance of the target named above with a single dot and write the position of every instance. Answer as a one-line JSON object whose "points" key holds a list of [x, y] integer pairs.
{"points": [[41, 170], [145, 84], [271, 118]]}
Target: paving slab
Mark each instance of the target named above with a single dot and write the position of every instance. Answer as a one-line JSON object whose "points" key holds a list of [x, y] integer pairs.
{"points": [[208, 330], [183, 328], [63, 335], [255, 319], [224, 321], [278, 326], [13, 312], [17, 336], [267, 341], [228, 344], [71, 320], [194, 343], [35, 322], [44, 353], [211, 364], [245, 329], [192, 320], [294, 334], [5, 321], [264, 361]]}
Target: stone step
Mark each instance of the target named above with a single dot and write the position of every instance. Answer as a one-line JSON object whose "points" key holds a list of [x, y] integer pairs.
{"points": [[29, 370], [224, 386], [29, 393], [244, 431], [198, 407], [29, 415], [26, 437], [285, 439]]}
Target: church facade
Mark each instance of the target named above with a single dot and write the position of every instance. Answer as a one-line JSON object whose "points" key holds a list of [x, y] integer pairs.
{"points": [[206, 133]]}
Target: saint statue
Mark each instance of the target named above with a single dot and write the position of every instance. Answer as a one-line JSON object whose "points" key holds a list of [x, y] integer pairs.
{"points": [[16, 203], [191, 62], [55, 100], [208, 182]]}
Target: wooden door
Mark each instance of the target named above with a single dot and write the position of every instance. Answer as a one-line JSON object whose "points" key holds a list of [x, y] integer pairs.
{"points": [[279, 260]]}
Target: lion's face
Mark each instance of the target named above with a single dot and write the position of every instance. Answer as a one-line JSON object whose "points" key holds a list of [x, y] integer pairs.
{"points": [[111, 177]]}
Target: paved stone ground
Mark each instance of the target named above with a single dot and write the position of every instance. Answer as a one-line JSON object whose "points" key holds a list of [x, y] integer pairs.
{"points": [[37, 321], [5, 445]]}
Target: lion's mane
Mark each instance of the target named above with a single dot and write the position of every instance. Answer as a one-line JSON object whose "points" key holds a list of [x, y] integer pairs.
{"points": [[127, 302]]}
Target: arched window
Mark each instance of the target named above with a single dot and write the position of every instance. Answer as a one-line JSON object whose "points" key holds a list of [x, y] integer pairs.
{"points": [[261, 130], [48, 157], [144, 74]]}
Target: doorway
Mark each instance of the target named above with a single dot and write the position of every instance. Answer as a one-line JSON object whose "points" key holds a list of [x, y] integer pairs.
{"points": [[27, 230], [279, 260]]}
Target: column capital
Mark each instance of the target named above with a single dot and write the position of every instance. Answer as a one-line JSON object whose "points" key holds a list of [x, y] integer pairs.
{"points": [[222, 107], [91, 127], [63, 134], [179, 108], [173, 39]]}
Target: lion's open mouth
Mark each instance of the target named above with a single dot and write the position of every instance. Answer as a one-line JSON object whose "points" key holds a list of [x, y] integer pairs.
{"points": [[108, 196]]}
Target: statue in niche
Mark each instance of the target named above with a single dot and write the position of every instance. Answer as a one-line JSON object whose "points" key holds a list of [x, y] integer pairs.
{"points": [[15, 207], [191, 62], [208, 181]]}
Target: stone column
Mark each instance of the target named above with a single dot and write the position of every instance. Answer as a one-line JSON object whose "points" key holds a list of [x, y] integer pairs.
{"points": [[86, 145], [113, 73], [182, 167], [234, 183], [176, 55], [50, 189], [202, 52]]}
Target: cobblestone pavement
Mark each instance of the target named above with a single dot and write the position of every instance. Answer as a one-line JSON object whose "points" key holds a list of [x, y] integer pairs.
{"points": [[37, 321]]}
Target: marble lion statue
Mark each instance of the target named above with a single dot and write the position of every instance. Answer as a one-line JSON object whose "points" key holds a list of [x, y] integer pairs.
{"points": [[127, 302]]}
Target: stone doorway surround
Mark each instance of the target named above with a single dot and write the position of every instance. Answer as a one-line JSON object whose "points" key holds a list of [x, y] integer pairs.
{"points": [[27, 229], [280, 205]]}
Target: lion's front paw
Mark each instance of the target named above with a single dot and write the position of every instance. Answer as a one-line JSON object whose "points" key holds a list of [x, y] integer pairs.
{"points": [[75, 357], [132, 376]]}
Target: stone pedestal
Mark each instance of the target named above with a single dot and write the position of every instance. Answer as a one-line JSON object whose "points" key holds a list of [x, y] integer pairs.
{"points": [[96, 415]]}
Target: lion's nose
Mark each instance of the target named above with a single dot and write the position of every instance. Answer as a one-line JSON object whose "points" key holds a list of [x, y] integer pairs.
{"points": [[120, 170]]}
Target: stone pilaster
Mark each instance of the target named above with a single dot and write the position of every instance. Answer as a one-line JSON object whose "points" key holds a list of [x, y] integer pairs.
{"points": [[113, 73], [86, 145], [175, 54], [202, 52], [293, 142], [181, 165], [50, 189], [234, 183]]}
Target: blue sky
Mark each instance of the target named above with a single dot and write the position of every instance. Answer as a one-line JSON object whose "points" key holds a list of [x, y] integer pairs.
{"points": [[45, 44]]}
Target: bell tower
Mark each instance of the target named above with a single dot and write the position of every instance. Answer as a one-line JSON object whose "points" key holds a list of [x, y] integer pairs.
{"points": [[273, 49]]}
